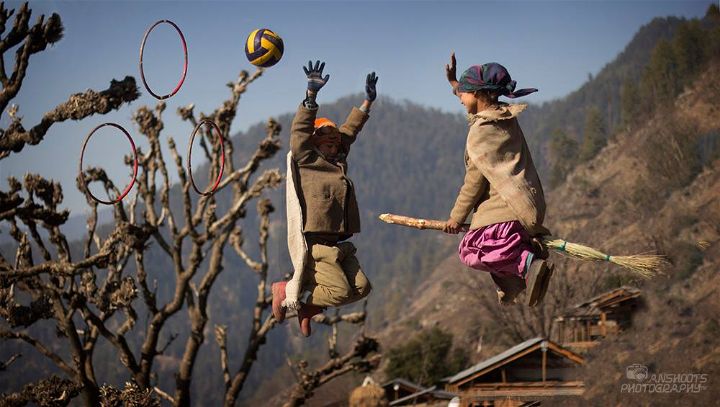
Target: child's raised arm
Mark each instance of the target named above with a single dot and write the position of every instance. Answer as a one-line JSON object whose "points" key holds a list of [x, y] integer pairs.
{"points": [[451, 72], [303, 124], [357, 117], [370, 91]]}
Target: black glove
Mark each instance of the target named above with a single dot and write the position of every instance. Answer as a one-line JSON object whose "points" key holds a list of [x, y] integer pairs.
{"points": [[370, 90], [314, 76]]}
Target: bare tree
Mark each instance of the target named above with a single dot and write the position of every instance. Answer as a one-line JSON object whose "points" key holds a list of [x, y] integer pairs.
{"points": [[571, 283], [363, 356], [96, 297]]}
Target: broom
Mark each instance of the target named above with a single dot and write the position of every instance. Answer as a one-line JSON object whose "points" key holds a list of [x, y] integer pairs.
{"points": [[644, 265]]}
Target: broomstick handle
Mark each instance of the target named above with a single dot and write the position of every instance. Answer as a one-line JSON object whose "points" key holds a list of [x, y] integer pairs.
{"points": [[417, 223]]}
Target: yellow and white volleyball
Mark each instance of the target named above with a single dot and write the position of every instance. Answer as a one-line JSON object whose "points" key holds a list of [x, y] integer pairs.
{"points": [[264, 48]]}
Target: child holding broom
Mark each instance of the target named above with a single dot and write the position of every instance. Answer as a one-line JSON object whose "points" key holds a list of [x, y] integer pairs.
{"points": [[322, 209], [501, 189]]}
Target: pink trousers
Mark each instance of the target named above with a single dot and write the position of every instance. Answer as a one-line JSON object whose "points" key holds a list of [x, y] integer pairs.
{"points": [[500, 248]]}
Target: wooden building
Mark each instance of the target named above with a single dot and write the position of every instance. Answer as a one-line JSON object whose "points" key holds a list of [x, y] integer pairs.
{"points": [[523, 375], [606, 314]]}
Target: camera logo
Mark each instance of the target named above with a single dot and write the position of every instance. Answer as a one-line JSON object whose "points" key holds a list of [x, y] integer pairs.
{"points": [[636, 372]]}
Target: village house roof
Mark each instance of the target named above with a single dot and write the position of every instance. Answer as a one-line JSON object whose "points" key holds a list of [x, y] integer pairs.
{"points": [[605, 302], [493, 360], [512, 354], [402, 382], [431, 393]]}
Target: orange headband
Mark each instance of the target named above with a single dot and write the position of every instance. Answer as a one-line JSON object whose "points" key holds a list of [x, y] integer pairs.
{"points": [[322, 122]]}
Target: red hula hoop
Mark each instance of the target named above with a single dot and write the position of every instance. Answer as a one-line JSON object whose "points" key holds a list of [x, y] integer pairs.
{"points": [[222, 157], [135, 165], [185, 67]]}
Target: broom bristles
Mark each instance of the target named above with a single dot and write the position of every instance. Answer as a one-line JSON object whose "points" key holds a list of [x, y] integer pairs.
{"points": [[644, 265]]}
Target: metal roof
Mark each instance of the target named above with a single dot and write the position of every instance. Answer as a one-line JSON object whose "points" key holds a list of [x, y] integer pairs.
{"points": [[495, 359], [440, 394], [404, 382], [604, 301]]}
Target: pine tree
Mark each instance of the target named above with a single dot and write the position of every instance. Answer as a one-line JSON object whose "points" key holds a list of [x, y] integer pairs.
{"points": [[563, 156], [426, 358], [713, 12], [660, 80], [594, 135], [631, 105], [688, 45], [712, 43]]}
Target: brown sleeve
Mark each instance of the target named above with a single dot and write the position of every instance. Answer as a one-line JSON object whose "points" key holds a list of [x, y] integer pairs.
{"points": [[472, 189], [352, 126], [301, 131]]}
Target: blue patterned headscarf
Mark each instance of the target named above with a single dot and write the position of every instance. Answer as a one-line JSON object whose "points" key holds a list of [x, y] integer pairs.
{"points": [[493, 77]]}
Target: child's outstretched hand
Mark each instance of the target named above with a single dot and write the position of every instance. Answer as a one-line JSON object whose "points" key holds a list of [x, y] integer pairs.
{"points": [[314, 76], [370, 89], [451, 227], [451, 71]]}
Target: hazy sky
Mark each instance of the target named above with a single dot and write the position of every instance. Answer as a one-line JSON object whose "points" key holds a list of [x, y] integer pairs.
{"points": [[550, 45]]}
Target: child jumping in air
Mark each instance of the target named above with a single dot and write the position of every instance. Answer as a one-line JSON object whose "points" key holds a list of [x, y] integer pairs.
{"points": [[502, 189], [322, 209]]}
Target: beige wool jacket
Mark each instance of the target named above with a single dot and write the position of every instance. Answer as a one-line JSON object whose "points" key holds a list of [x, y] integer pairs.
{"points": [[501, 182], [327, 195]]}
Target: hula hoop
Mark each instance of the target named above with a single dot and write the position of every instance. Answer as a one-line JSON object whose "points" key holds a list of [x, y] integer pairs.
{"points": [[135, 164], [185, 67], [222, 157]]}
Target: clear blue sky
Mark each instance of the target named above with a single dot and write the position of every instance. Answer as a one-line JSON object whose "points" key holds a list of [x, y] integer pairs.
{"points": [[550, 45]]}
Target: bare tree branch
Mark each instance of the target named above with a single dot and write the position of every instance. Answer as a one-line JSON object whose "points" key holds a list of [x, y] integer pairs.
{"points": [[40, 348], [34, 39], [164, 395], [221, 338], [13, 358], [363, 357], [78, 107], [52, 391]]}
